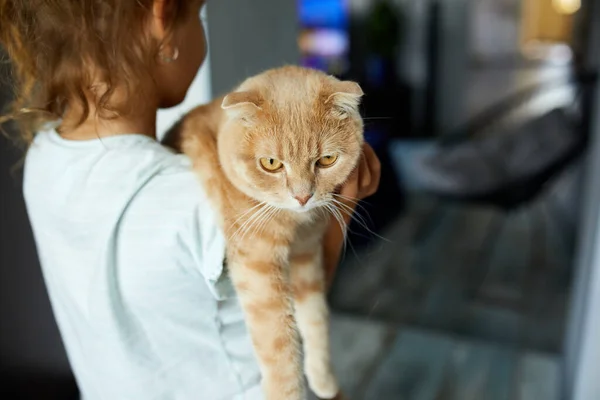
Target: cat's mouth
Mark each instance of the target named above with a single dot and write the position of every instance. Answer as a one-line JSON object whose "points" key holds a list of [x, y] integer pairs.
{"points": [[316, 203], [319, 205], [305, 208]]}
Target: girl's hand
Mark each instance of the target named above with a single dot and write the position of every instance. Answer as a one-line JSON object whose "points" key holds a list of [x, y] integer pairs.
{"points": [[364, 181]]}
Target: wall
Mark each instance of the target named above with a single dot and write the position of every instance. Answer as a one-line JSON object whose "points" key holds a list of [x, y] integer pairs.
{"points": [[241, 42], [582, 348], [494, 29], [437, 90], [542, 22], [199, 93], [452, 74], [248, 37]]}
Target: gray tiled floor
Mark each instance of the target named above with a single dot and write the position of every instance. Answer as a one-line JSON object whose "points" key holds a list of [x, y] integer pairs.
{"points": [[446, 310], [467, 270], [358, 348], [377, 361]]}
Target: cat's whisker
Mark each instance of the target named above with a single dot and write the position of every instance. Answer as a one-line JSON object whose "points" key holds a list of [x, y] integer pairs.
{"points": [[345, 228], [266, 219], [338, 211], [356, 202], [337, 215], [348, 198], [350, 212], [331, 212], [355, 216], [274, 214], [242, 229], [373, 307], [340, 220], [376, 118], [260, 221], [254, 221], [243, 214]]}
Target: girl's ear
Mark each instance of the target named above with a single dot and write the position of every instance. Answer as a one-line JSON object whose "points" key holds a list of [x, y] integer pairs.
{"points": [[160, 29], [160, 14]]}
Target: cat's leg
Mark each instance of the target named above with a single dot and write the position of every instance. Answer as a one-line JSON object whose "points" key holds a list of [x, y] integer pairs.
{"points": [[265, 297], [312, 316]]}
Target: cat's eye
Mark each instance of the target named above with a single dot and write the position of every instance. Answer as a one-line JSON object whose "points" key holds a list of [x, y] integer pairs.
{"points": [[327, 161], [270, 164]]}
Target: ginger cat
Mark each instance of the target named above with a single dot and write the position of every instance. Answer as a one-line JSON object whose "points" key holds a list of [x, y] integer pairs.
{"points": [[271, 155]]}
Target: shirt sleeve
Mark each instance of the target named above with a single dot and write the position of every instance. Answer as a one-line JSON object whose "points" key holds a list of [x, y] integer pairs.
{"points": [[189, 218], [209, 248]]}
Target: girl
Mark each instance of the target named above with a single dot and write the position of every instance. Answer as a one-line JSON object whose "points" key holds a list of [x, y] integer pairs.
{"points": [[130, 249]]}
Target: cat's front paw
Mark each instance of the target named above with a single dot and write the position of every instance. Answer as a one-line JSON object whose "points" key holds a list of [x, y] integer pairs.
{"points": [[322, 382], [339, 396], [279, 389]]}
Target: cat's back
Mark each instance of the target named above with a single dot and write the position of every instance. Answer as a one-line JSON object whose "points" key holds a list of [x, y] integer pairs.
{"points": [[201, 124]]}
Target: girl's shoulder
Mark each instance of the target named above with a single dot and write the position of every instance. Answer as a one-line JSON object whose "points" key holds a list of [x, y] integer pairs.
{"points": [[128, 174], [131, 182]]}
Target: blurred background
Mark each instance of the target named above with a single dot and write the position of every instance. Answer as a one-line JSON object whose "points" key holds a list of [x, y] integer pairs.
{"points": [[473, 273]]}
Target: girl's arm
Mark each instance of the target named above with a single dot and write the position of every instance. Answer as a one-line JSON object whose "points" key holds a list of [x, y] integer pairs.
{"points": [[362, 183], [333, 244]]}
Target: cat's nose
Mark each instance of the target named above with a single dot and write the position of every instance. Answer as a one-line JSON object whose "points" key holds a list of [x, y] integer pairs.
{"points": [[303, 199]]}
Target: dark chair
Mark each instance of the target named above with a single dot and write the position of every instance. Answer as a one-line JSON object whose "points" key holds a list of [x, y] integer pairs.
{"points": [[523, 190]]}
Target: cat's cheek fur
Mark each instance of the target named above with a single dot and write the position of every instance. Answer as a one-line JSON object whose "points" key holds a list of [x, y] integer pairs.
{"points": [[331, 179]]}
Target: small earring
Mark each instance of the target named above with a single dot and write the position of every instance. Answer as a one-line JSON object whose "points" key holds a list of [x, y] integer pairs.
{"points": [[169, 59]]}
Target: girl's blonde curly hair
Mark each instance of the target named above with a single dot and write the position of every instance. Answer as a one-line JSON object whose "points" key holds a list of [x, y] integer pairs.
{"points": [[51, 45]]}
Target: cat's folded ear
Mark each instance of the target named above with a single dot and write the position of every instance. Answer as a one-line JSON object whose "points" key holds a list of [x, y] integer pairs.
{"points": [[345, 97], [242, 105]]}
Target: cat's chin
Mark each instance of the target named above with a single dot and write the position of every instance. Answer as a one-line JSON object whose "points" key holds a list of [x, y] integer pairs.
{"points": [[300, 209], [303, 210]]}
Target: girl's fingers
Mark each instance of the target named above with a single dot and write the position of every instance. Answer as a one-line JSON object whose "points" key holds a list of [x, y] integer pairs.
{"points": [[365, 174], [373, 172], [364, 180], [351, 187]]}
